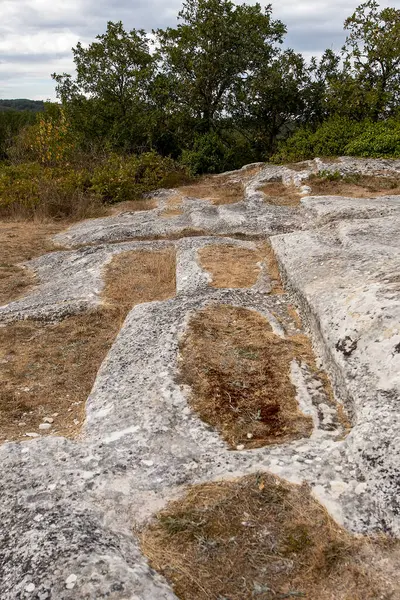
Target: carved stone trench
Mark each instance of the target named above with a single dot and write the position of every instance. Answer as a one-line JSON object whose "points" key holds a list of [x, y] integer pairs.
{"points": [[69, 508]]}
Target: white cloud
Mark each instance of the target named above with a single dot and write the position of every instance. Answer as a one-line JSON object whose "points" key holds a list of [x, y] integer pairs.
{"points": [[36, 36]]}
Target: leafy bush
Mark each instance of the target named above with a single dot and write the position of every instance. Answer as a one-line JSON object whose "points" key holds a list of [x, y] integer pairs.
{"points": [[377, 140], [330, 139], [127, 178], [31, 190], [209, 155], [11, 123], [34, 189]]}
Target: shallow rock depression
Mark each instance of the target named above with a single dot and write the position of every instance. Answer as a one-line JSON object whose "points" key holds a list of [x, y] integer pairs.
{"points": [[258, 352]]}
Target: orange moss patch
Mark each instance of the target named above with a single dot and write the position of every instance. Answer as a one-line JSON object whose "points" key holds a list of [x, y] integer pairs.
{"points": [[48, 370], [239, 373], [261, 537]]}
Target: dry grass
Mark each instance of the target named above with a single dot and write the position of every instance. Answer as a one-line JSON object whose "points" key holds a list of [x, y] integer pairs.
{"points": [[173, 207], [279, 194], [235, 267], [218, 190], [261, 537], [231, 266], [298, 166], [56, 204], [239, 373], [49, 369], [20, 242], [132, 206], [355, 186]]}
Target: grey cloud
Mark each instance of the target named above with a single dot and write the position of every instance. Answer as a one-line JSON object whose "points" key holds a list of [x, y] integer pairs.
{"points": [[312, 27]]}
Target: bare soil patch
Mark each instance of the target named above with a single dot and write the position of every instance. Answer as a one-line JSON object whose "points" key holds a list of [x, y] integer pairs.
{"points": [[279, 194], [261, 537], [218, 190], [234, 267], [239, 373], [21, 241], [47, 370], [354, 186]]}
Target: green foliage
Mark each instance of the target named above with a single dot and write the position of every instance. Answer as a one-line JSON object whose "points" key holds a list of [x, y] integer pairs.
{"points": [[209, 155], [19, 183], [12, 122], [377, 140], [22, 104], [330, 139], [108, 96], [209, 53], [29, 189], [372, 53], [127, 178], [216, 92]]}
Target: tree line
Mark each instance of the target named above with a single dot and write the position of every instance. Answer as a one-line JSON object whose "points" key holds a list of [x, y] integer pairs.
{"points": [[219, 90]]}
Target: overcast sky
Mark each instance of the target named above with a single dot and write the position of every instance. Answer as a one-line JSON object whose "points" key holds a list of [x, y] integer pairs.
{"points": [[36, 36]]}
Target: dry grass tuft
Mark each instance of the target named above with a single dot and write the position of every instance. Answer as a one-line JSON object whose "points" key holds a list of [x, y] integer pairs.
{"points": [[136, 277], [132, 206], [231, 266], [49, 369], [234, 267], [239, 373], [355, 186], [218, 190], [173, 207], [20, 242], [279, 194], [261, 537]]}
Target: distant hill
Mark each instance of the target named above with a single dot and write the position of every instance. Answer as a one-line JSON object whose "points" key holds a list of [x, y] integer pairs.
{"points": [[22, 104]]}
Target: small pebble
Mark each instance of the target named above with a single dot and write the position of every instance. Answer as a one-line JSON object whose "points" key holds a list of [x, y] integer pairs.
{"points": [[30, 588], [48, 420], [250, 436], [148, 463], [34, 435], [71, 581], [240, 447], [45, 426]]}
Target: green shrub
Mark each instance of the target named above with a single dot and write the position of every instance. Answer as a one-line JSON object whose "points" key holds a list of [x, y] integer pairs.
{"points": [[330, 139], [209, 155], [75, 192], [127, 178], [296, 148], [377, 140], [31, 190]]}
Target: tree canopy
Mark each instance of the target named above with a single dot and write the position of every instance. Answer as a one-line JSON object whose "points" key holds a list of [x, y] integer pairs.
{"points": [[220, 89]]}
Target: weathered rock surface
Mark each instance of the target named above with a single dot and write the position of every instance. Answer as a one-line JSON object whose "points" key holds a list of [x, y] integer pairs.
{"points": [[69, 508]]}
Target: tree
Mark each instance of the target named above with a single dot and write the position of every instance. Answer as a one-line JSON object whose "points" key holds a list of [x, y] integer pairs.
{"points": [[214, 48], [109, 94], [372, 51], [273, 99]]}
